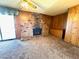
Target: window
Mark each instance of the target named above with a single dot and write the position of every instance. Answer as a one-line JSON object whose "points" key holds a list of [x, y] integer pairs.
{"points": [[7, 27], [0, 36]]}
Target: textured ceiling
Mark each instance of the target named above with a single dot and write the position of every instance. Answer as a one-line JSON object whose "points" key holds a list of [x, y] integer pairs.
{"points": [[10, 3], [48, 7]]}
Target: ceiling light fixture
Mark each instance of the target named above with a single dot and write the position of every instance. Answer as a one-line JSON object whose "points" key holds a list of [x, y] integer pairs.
{"points": [[30, 3], [24, 4]]}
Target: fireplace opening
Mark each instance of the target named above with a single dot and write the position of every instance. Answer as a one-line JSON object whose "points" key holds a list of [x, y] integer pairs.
{"points": [[37, 31]]}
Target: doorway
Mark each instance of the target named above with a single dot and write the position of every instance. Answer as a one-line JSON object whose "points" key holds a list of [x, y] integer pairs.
{"points": [[7, 27]]}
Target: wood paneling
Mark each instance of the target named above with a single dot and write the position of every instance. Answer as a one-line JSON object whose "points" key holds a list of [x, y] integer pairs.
{"points": [[57, 33], [72, 29], [58, 24]]}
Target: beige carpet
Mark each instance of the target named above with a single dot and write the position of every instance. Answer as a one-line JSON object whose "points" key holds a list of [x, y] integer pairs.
{"points": [[38, 48]]}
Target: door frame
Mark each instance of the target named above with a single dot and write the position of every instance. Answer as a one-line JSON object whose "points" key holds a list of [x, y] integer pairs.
{"points": [[14, 29]]}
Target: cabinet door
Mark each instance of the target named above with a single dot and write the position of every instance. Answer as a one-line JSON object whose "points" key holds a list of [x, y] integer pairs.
{"points": [[7, 27]]}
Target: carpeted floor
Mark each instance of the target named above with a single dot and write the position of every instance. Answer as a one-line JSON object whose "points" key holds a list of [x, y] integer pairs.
{"points": [[38, 48]]}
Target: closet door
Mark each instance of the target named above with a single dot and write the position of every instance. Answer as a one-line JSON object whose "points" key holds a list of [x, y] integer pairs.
{"points": [[7, 27]]}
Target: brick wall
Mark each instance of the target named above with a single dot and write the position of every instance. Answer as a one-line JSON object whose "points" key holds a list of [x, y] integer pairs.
{"points": [[25, 22]]}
